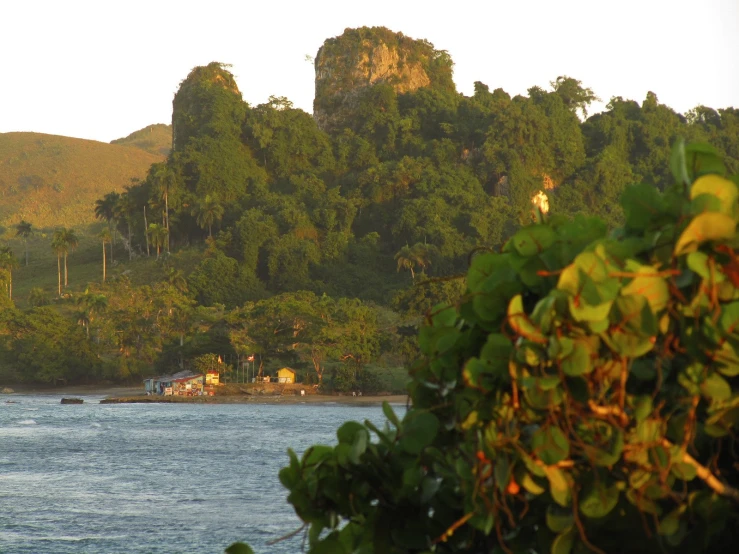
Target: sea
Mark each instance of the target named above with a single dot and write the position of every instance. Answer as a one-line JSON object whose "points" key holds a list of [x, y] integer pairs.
{"points": [[153, 478]]}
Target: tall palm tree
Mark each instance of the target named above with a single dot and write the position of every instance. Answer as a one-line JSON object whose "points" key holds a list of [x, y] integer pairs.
{"points": [[105, 209], [62, 242], [158, 236], [8, 262], [124, 211], [58, 246], [105, 237], [24, 230], [207, 212]]}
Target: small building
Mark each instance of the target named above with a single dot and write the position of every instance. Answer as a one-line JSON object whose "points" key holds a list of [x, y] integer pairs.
{"points": [[285, 375], [212, 377], [181, 383]]}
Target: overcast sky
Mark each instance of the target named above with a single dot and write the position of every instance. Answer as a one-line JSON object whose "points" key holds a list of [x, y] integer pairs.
{"points": [[102, 69]]}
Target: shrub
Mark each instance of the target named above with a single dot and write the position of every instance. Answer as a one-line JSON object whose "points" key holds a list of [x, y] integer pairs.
{"points": [[582, 396]]}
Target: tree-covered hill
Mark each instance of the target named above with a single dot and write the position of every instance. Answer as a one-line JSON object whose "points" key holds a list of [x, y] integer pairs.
{"points": [[50, 180], [264, 232], [155, 139]]}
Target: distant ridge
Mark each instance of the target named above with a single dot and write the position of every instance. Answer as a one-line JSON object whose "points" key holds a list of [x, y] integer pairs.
{"points": [[51, 180], [155, 139]]}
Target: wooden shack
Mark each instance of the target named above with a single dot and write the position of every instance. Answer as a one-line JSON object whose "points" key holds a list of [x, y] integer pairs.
{"points": [[285, 375]]}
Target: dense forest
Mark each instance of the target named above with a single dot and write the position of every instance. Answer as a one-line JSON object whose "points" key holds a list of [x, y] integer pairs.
{"points": [[320, 242]]}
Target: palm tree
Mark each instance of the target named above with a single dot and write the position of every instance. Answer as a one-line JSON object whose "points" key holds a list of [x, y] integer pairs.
{"points": [[158, 235], [58, 246], [124, 210], [105, 209], [63, 240], [91, 304], [24, 229], [418, 255], [207, 212], [8, 262], [105, 236], [176, 278]]}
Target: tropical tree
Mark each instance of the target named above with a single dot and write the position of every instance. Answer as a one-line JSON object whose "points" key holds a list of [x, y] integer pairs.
{"points": [[124, 211], [207, 212], [105, 209], [59, 248], [62, 242], [90, 304], [158, 236], [37, 297], [8, 262], [105, 237], [24, 230], [410, 257]]}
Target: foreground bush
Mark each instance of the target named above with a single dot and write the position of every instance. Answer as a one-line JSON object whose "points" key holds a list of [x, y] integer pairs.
{"points": [[581, 397]]}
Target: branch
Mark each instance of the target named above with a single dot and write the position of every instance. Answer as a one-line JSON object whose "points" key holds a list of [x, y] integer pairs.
{"points": [[704, 473], [608, 411]]}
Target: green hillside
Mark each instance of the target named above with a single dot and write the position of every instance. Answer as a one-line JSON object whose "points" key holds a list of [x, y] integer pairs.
{"points": [[51, 180], [155, 139]]}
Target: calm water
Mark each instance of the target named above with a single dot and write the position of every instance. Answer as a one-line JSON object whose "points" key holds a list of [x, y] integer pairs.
{"points": [[154, 478]]}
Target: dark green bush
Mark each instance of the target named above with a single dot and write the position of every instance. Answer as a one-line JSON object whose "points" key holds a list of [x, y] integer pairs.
{"points": [[582, 396]]}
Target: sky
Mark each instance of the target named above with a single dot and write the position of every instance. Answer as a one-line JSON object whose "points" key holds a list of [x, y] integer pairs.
{"points": [[102, 69]]}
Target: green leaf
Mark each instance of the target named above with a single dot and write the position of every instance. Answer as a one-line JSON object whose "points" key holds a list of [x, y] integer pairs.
{"points": [[558, 519], [598, 501], [642, 408], [702, 228], [520, 322], [579, 361], [642, 205], [419, 431], [678, 164], [559, 486], [390, 414], [359, 446], [347, 432], [532, 239], [716, 388], [443, 315], [564, 542], [239, 548], [550, 445], [648, 284]]}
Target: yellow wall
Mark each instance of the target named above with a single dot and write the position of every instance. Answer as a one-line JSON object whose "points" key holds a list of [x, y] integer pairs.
{"points": [[285, 375]]}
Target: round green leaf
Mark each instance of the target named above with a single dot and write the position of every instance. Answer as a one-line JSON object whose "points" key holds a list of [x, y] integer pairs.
{"points": [[550, 445]]}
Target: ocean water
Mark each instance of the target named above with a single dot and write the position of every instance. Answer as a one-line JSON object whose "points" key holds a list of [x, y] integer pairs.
{"points": [[153, 478]]}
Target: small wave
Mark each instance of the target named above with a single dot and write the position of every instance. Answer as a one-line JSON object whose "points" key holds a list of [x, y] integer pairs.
{"points": [[95, 424], [27, 422]]}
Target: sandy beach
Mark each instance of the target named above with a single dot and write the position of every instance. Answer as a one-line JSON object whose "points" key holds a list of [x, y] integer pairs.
{"points": [[127, 395]]}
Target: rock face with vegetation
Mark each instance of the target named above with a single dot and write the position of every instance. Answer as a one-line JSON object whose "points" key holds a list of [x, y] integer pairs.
{"points": [[204, 100], [347, 65]]}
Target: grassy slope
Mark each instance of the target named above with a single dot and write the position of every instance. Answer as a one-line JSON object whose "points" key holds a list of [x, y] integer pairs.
{"points": [[155, 139], [54, 181]]}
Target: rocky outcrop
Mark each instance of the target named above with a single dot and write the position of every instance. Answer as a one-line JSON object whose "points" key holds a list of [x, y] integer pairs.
{"points": [[208, 102], [359, 58], [72, 401]]}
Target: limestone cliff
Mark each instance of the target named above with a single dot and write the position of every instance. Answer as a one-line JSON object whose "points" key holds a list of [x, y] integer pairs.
{"points": [[360, 58]]}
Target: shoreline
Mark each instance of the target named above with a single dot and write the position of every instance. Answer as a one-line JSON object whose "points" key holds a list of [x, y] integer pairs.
{"points": [[134, 395]]}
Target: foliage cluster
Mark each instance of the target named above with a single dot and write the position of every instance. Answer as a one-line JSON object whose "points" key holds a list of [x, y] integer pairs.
{"points": [[581, 396]]}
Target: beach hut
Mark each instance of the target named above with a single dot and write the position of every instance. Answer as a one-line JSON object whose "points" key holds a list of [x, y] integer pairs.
{"points": [[212, 377], [285, 375]]}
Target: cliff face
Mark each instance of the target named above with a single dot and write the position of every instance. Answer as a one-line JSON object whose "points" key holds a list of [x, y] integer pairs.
{"points": [[359, 58]]}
